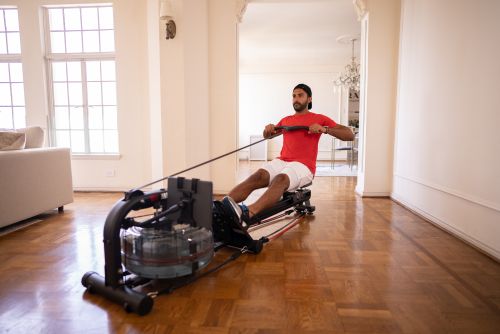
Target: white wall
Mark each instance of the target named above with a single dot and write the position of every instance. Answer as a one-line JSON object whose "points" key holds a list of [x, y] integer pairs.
{"points": [[266, 97], [199, 91], [176, 98], [133, 167], [446, 162]]}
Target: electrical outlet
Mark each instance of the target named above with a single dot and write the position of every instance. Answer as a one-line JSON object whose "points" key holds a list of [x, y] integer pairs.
{"points": [[110, 173]]}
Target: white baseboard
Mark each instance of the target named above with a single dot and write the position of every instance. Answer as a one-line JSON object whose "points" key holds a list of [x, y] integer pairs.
{"points": [[372, 194], [104, 189], [448, 228]]}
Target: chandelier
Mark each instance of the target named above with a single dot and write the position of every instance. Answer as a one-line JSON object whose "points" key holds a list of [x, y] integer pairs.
{"points": [[350, 77]]}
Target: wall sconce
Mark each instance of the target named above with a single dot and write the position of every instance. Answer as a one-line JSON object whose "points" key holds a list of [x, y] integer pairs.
{"points": [[166, 13]]}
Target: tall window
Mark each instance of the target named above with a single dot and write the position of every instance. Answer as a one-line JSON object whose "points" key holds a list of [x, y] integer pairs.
{"points": [[81, 63], [12, 107]]}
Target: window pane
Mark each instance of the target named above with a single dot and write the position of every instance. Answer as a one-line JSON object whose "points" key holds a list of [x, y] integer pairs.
{"points": [[4, 72], [72, 19], [109, 93], [62, 138], [108, 70], [96, 141], [75, 93], [60, 94], [62, 118], [57, 42], [16, 72], [106, 17], [3, 43], [18, 94], [93, 71], [74, 71], [107, 41], [13, 42], [73, 42], [110, 120], [11, 20], [6, 118], [56, 19], [110, 141], [59, 71], [95, 117], [19, 117], [94, 93], [90, 41], [76, 117], [89, 18], [77, 141], [5, 95]]}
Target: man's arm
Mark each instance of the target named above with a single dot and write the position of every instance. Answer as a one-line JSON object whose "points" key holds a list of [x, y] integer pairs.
{"points": [[340, 131]]}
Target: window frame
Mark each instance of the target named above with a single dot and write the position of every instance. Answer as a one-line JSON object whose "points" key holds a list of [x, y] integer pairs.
{"points": [[13, 58], [81, 57]]}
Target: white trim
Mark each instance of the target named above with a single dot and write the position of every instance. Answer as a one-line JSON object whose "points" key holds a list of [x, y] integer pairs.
{"points": [[241, 7], [372, 194], [80, 56], [79, 5], [360, 7], [456, 193], [101, 189], [113, 156], [10, 58], [109, 189], [447, 227]]}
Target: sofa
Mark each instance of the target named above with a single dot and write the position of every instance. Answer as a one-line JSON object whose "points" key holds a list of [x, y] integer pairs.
{"points": [[33, 178]]}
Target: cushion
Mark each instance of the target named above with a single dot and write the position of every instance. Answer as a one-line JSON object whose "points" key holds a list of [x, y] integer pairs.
{"points": [[34, 136], [10, 140]]}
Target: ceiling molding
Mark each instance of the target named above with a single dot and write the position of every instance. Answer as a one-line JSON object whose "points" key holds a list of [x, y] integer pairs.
{"points": [[241, 7], [360, 7]]}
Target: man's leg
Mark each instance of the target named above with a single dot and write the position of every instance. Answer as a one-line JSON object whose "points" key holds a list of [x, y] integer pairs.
{"points": [[283, 176], [257, 180], [272, 195]]}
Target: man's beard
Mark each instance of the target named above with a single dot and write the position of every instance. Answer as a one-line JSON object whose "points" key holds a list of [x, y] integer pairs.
{"points": [[299, 107]]}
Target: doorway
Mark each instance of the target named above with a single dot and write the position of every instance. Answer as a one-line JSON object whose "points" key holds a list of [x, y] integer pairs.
{"points": [[275, 55]]}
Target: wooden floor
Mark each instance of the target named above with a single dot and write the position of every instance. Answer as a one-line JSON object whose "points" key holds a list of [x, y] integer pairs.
{"points": [[355, 266]]}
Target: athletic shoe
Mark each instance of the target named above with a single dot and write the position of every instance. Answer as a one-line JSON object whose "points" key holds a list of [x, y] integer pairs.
{"points": [[240, 213]]}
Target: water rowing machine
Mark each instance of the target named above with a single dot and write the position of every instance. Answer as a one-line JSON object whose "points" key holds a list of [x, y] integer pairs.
{"points": [[172, 235]]}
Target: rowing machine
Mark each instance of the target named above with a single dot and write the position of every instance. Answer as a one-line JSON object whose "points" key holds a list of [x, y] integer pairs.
{"points": [[171, 236]]}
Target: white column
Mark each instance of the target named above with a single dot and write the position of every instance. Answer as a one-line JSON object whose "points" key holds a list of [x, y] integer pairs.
{"points": [[154, 30], [223, 50], [380, 43]]}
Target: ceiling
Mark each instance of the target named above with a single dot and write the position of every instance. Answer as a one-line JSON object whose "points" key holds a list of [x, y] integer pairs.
{"points": [[297, 32]]}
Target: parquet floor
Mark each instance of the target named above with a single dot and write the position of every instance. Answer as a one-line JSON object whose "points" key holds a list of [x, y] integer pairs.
{"points": [[356, 266]]}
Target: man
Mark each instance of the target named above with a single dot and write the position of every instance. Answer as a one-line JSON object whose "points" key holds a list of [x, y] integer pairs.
{"points": [[296, 164]]}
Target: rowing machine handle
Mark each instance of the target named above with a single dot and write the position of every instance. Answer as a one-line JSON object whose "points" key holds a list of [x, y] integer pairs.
{"points": [[291, 128]]}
